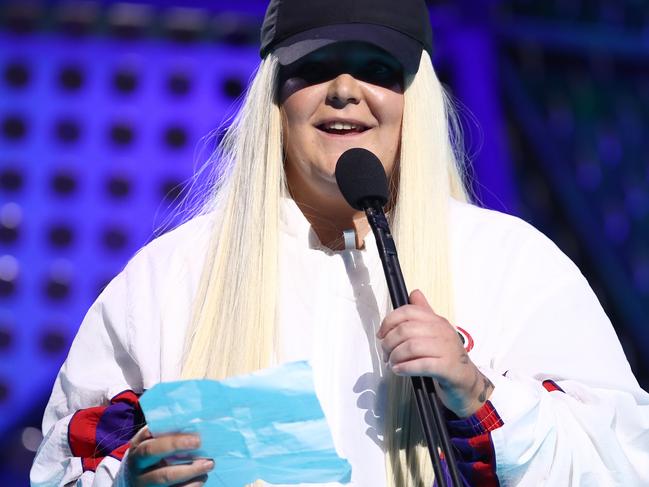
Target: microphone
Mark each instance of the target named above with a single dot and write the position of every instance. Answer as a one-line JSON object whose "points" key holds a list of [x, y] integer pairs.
{"points": [[361, 178], [364, 185]]}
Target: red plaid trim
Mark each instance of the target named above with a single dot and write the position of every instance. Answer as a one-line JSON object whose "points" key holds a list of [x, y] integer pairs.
{"points": [[488, 418]]}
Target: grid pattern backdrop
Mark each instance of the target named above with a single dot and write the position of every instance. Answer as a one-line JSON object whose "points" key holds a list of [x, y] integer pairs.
{"points": [[107, 109]]}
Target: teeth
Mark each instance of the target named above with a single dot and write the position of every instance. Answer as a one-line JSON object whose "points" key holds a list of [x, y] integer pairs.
{"points": [[342, 126]]}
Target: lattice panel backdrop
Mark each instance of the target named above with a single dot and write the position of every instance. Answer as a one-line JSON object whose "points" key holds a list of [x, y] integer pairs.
{"points": [[97, 139], [104, 106]]}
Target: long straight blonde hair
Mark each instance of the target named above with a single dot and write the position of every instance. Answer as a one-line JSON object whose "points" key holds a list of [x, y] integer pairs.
{"points": [[233, 328]]}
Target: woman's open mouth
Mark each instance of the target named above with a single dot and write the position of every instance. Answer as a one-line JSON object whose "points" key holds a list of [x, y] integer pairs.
{"points": [[342, 128]]}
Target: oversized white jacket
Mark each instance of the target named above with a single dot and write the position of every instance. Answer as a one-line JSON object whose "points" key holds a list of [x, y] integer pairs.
{"points": [[566, 408]]}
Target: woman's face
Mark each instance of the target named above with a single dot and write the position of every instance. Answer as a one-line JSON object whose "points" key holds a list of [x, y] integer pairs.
{"points": [[342, 96]]}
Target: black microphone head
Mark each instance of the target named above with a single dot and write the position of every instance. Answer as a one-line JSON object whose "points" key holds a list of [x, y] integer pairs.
{"points": [[361, 178]]}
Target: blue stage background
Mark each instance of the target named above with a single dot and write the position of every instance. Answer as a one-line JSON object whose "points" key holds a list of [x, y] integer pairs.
{"points": [[107, 109]]}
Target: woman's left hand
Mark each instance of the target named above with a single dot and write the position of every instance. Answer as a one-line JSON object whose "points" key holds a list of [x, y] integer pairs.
{"points": [[417, 341]]}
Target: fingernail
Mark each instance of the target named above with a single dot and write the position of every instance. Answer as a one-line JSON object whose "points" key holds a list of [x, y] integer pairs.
{"points": [[207, 465]]}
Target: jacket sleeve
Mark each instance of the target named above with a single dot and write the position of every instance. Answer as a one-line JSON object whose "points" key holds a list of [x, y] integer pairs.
{"points": [[566, 408], [93, 410]]}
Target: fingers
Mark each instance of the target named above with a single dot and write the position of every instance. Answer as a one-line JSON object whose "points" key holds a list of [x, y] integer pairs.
{"points": [[409, 312], [143, 434], [152, 450], [415, 335], [193, 474], [412, 350], [403, 332], [419, 366], [197, 482], [430, 357], [417, 298]]}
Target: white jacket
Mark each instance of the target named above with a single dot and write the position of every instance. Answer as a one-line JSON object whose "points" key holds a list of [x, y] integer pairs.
{"points": [[566, 408]]}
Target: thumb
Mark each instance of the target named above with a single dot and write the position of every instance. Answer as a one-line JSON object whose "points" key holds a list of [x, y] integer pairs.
{"points": [[418, 298], [142, 434]]}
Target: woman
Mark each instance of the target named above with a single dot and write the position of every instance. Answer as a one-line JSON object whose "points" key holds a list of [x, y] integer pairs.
{"points": [[264, 276]]}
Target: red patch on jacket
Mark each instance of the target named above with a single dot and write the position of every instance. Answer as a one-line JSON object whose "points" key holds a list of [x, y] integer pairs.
{"points": [[467, 339]]}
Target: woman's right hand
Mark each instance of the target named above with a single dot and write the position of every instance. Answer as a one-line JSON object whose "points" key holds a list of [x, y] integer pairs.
{"points": [[146, 465]]}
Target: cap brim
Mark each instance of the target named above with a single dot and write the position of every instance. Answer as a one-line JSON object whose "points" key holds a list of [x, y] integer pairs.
{"points": [[402, 47]]}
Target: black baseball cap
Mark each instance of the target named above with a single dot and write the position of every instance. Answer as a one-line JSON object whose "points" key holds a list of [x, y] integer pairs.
{"points": [[295, 28]]}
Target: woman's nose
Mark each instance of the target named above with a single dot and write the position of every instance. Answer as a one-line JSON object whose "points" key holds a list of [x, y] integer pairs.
{"points": [[343, 90]]}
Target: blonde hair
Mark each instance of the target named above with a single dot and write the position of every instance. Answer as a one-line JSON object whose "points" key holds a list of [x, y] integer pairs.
{"points": [[429, 175], [233, 328]]}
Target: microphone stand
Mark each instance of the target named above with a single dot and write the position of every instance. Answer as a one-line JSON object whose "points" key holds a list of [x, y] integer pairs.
{"points": [[428, 406]]}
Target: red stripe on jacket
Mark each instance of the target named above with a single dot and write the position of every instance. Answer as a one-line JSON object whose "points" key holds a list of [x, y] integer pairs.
{"points": [[97, 432]]}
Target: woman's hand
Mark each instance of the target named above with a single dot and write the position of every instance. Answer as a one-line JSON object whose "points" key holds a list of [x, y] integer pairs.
{"points": [[146, 466], [416, 341]]}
